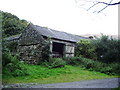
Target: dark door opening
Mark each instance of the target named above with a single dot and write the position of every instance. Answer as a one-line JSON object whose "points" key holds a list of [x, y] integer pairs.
{"points": [[58, 49]]}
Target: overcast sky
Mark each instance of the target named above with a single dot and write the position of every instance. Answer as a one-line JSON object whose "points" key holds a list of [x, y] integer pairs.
{"points": [[64, 15]]}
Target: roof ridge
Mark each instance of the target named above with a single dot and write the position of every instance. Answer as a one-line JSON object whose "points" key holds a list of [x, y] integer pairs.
{"points": [[62, 35]]}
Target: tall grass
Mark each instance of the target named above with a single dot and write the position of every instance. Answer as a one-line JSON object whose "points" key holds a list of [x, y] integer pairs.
{"points": [[41, 74], [110, 69]]}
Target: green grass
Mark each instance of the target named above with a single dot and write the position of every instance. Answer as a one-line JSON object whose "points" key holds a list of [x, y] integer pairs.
{"points": [[44, 75], [118, 88]]}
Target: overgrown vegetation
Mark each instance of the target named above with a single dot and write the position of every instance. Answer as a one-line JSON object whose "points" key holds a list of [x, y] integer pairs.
{"points": [[12, 66], [10, 63], [11, 24], [94, 65], [40, 74], [85, 49], [100, 54], [46, 50], [107, 49], [54, 63]]}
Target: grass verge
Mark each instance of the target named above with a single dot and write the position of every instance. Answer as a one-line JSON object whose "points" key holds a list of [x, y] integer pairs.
{"points": [[44, 75]]}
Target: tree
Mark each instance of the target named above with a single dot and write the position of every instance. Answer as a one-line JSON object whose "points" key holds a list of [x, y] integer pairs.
{"points": [[12, 25], [85, 49], [107, 49], [100, 5]]}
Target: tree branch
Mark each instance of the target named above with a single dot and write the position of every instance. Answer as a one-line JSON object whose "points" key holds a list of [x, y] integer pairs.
{"points": [[110, 4], [92, 6], [105, 6], [97, 3]]}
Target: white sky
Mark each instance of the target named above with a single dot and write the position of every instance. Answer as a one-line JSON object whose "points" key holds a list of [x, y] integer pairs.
{"points": [[64, 15]]}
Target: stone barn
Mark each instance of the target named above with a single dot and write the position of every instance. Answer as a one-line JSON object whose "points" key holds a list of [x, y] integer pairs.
{"points": [[30, 45]]}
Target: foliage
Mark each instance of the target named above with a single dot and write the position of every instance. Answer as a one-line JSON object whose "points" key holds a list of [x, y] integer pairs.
{"points": [[0, 26], [72, 60], [7, 47], [104, 49], [12, 46], [107, 49], [42, 75], [113, 68], [46, 50], [118, 88], [86, 49], [54, 63], [94, 65], [13, 65], [11, 24]]}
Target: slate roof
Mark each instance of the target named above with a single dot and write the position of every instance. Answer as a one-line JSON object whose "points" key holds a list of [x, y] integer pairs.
{"points": [[11, 38], [58, 34], [44, 31]]}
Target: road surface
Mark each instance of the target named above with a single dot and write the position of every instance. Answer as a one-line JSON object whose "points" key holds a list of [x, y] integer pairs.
{"points": [[100, 83]]}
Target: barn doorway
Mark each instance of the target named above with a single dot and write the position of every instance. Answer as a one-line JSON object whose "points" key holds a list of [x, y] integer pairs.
{"points": [[58, 49]]}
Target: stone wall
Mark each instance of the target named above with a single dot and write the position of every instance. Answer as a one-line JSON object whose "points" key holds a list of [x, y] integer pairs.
{"points": [[30, 37], [30, 54], [30, 46]]}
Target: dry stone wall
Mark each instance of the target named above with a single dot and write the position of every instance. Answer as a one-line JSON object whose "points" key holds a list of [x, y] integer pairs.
{"points": [[30, 54], [30, 46]]}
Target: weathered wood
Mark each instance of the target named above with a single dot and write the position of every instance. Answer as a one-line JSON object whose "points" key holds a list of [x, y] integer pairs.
{"points": [[68, 48]]}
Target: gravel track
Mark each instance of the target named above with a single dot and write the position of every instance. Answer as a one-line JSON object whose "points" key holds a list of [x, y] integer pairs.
{"points": [[100, 83]]}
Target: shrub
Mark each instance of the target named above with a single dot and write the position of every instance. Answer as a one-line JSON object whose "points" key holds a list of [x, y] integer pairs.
{"points": [[54, 63], [46, 50], [85, 49], [107, 70], [104, 49], [13, 65], [72, 60], [6, 58], [12, 46], [11, 24], [115, 68], [112, 68], [107, 49]]}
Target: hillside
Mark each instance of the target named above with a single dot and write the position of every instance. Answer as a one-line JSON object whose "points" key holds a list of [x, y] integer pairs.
{"points": [[11, 24]]}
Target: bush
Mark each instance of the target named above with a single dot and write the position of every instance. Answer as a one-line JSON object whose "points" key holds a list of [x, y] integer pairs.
{"points": [[11, 24], [54, 63], [85, 49], [12, 46], [111, 69], [72, 60], [46, 50], [12, 65], [107, 49]]}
